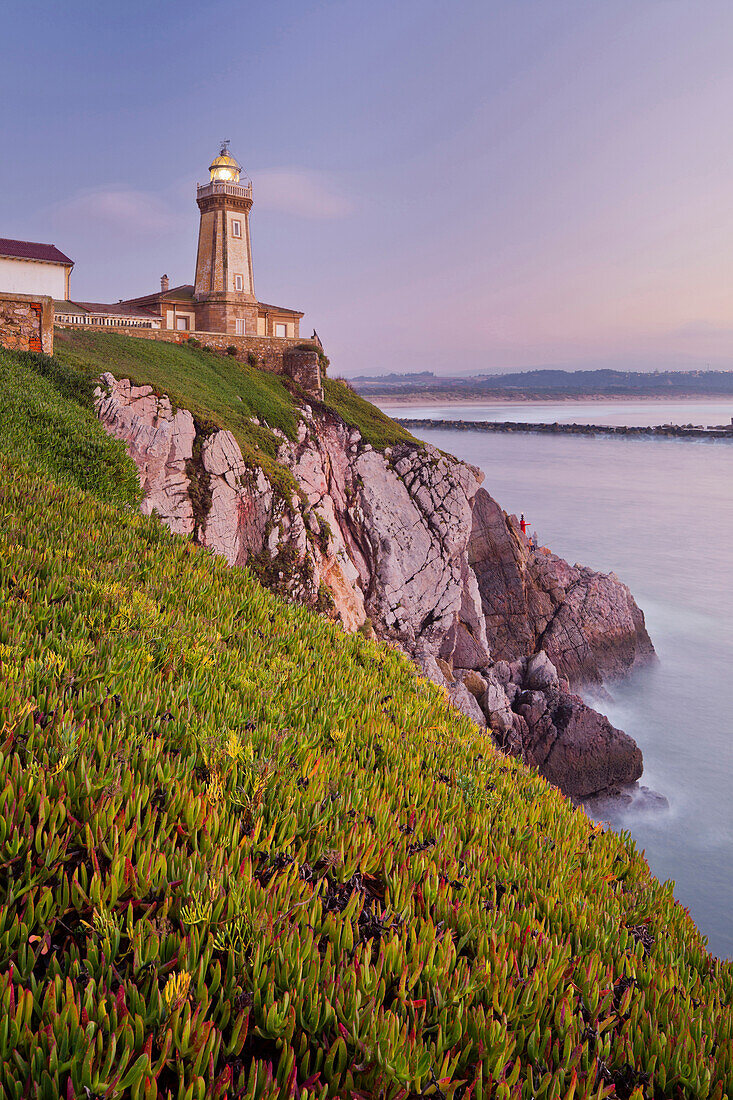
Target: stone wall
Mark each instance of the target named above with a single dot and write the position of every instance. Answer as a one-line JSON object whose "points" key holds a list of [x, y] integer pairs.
{"points": [[270, 351], [304, 367], [219, 314], [26, 322]]}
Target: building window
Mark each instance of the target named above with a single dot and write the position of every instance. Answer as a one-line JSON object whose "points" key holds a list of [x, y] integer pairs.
{"points": [[281, 330], [239, 324], [182, 323], [236, 228], [239, 282]]}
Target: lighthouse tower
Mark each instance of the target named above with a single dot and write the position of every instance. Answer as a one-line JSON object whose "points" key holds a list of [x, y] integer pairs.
{"points": [[224, 292]]}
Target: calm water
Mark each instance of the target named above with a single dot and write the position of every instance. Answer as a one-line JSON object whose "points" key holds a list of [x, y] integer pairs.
{"points": [[660, 514], [633, 413]]}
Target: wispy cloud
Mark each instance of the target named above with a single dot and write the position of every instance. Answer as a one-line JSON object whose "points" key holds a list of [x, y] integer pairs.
{"points": [[302, 193], [118, 209]]}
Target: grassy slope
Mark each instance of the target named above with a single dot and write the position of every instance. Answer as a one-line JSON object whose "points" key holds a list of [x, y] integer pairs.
{"points": [[45, 418], [375, 426], [218, 389], [232, 837]]}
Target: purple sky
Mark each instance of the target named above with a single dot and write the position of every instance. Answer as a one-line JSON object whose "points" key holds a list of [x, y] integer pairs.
{"points": [[452, 186]]}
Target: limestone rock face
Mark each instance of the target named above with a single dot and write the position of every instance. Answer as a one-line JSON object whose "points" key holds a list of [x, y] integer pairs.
{"points": [[414, 514], [405, 543], [241, 501], [199, 484], [160, 442]]}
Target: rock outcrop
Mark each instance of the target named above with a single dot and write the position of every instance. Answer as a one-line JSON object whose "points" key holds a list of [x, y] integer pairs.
{"points": [[533, 710], [587, 622], [405, 542]]}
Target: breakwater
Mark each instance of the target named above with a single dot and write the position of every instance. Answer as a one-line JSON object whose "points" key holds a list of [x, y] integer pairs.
{"points": [[675, 431]]}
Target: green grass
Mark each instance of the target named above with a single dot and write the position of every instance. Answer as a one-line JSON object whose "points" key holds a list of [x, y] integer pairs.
{"points": [[220, 391], [375, 426], [217, 389], [241, 851], [47, 420]]}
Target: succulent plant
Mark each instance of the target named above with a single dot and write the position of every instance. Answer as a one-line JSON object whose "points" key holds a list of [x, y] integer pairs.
{"points": [[227, 870]]}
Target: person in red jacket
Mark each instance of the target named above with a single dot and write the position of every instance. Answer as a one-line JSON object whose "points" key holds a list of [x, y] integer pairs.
{"points": [[523, 524]]}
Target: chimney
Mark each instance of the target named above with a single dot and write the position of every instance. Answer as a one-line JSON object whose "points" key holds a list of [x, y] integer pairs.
{"points": [[164, 284]]}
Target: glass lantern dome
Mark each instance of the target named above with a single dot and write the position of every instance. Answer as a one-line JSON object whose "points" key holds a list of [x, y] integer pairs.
{"points": [[224, 167]]}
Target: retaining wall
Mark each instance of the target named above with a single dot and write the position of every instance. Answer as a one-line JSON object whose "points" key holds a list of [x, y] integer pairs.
{"points": [[26, 322]]}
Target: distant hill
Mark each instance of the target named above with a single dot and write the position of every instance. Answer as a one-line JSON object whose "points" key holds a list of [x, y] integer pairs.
{"points": [[554, 383]]}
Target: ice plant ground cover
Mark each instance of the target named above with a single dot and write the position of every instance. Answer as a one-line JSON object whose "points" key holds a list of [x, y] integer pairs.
{"points": [[245, 854]]}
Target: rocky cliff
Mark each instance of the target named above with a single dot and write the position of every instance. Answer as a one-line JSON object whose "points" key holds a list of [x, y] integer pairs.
{"points": [[405, 542]]}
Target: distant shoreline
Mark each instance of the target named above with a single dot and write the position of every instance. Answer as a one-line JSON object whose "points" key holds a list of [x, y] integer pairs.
{"points": [[562, 398]]}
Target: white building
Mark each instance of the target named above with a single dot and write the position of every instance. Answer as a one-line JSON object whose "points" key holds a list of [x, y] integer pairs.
{"points": [[28, 268]]}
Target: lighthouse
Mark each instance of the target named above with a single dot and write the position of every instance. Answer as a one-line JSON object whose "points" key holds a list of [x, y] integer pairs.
{"points": [[222, 301], [224, 292]]}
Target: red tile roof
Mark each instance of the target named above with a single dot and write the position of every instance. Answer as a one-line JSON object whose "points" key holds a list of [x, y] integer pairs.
{"points": [[183, 292], [280, 309], [116, 309], [28, 250]]}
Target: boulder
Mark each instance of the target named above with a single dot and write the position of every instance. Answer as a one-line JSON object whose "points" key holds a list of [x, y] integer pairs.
{"points": [[464, 701], [541, 673], [467, 650], [531, 705], [472, 679], [496, 706], [502, 672], [611, 805], [517, 670], [578, 749]]}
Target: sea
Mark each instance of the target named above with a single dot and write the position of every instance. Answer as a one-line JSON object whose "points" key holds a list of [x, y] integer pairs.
{"points": [[659, 513]]}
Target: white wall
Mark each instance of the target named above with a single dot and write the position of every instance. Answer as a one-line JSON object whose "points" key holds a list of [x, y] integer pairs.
{"points": [[32, 277]]}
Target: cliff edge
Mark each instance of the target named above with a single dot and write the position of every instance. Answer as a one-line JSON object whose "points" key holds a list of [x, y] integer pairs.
{"points": [[403, 540]]}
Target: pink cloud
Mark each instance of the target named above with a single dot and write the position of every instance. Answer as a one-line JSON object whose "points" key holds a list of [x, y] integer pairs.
{"points": [[118, 208], [302, 193]]}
